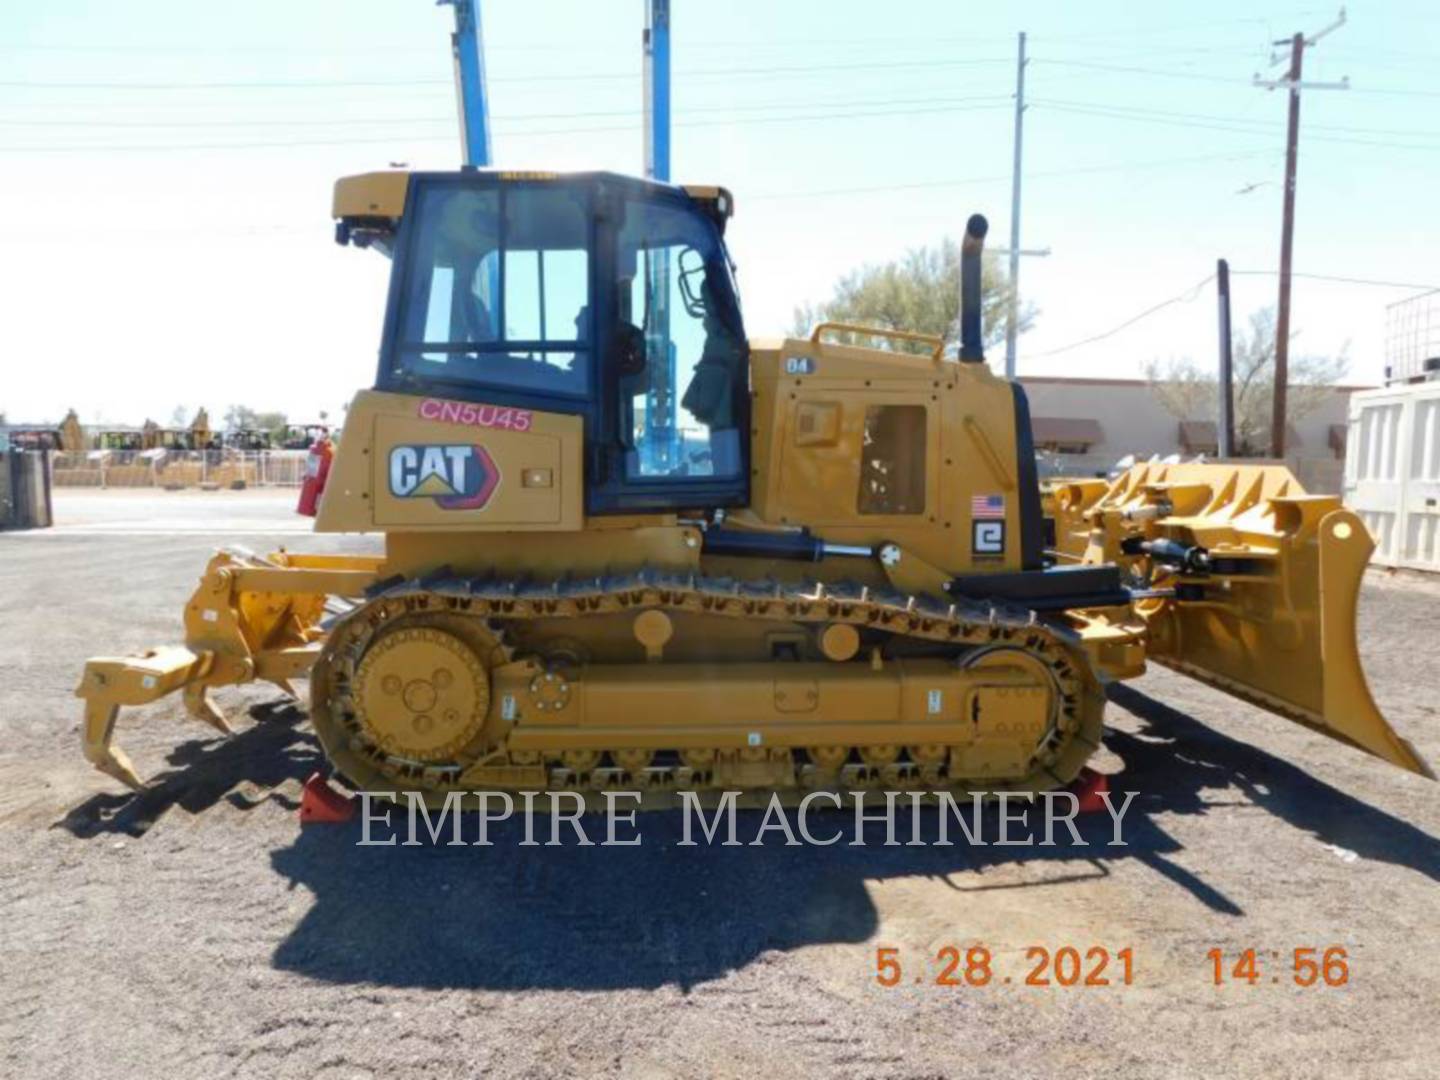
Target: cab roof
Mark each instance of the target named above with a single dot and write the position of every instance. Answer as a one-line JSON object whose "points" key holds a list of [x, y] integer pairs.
{"points": [[380, 196]]}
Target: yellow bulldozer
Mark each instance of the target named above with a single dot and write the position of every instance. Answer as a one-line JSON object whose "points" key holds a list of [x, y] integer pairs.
{"points": [[626, 547]]}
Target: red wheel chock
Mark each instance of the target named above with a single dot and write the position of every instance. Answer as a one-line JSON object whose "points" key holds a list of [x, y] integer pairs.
{"points": [[1087, 788], [322, 804]]}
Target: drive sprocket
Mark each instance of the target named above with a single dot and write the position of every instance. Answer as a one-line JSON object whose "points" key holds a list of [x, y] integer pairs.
{"points": [[421, 694]]}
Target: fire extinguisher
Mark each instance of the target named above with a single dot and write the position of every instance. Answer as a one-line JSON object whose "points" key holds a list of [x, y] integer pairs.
{"points": [[317, 471]]}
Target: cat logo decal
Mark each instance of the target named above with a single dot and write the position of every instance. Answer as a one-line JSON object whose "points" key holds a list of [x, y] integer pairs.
{"points": [[457, 476]]}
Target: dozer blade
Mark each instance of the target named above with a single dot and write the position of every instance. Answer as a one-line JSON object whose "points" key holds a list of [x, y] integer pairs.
{"points": [[1260, 583]]}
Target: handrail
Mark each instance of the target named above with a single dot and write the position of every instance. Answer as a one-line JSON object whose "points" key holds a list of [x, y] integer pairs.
{"points": [[876, 331]]}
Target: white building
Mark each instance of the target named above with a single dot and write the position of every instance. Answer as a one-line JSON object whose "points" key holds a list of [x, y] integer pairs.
{"points": [[1086, 425]]}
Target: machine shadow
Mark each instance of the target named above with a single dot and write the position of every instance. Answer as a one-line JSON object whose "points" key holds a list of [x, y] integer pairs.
{"points": [[203, 772], [510, 918], [513, 917], [1185, 758]]}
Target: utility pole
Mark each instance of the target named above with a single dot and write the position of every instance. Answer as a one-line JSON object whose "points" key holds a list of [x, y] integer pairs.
{"points": [[1297, 44], [467, 48], [1287, 249], [1012, 321], [1225, 429]]}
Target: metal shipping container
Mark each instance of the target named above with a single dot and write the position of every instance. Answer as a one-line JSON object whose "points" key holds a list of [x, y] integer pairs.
{"points": [[24, 489], [1392, 472]]}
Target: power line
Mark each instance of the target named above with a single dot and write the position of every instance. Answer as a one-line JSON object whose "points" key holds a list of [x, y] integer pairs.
{"points": [[259, 84], [409, 96], [1185, 297], [1433, 57], [211, 125], [1128, 166], [782, 70], [1213, 78], [851, 115], [1168, 120], [1385, 92], [930, 104], [1116, 114], [547, 46], [908, 42], [377, 96], [410, 138], [708, 43], [311, 50], [1178, 28], [1127, 69], [326, 84], [1265, 125], [1344, 280]]}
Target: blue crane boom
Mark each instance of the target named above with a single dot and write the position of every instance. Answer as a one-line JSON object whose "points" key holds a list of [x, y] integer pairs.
{"points": [[468, 49], [657, 89], [661, 418]]}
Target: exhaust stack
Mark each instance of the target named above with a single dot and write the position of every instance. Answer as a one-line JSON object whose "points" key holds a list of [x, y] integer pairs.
{"points": [[972, 345]]}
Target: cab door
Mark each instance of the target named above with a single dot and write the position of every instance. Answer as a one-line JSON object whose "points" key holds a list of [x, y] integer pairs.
{"points": [[675, 395]]}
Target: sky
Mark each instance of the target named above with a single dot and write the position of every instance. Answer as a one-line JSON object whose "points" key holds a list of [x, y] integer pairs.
{"points": [[167, 169]]}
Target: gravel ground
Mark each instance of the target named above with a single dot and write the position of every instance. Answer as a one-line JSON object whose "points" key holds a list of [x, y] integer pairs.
{"points": [[199, 931]]}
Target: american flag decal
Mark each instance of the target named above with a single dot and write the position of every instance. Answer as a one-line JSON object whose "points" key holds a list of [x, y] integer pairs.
{"points": [[987, 506]]}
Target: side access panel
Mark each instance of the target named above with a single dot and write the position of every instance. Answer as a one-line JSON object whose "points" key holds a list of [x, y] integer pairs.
{"points": [[424, 464]]}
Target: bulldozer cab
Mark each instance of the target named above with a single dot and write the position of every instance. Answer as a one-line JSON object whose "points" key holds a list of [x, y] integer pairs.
{"points": [[593, 295]]}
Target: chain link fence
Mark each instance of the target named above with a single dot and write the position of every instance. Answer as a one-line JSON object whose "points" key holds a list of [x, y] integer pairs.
{"points": [[178, 468]]}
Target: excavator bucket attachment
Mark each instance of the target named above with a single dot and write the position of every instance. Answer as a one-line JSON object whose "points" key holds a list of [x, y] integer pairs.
{"points": [[1254, 586]]}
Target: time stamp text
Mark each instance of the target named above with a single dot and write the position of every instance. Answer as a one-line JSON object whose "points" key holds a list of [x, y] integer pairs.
{"points": [[977, 966]]}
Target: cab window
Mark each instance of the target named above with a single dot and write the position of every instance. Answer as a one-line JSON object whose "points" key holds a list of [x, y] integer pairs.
{"points": [[678, 346], [892, 460], [497, 291]]}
